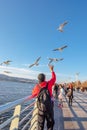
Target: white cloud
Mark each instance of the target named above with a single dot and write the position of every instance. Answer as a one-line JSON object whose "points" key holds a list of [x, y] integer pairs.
{"points": [[19, 72], [31, 74]]}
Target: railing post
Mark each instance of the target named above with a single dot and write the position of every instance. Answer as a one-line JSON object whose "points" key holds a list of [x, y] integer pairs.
{"points": [[15, 121], [34, 120]]}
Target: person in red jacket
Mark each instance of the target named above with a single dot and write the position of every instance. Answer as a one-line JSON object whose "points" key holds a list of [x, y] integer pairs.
{"points": [[42, 83]]}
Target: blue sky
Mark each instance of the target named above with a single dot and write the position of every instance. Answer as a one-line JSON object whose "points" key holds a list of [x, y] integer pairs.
{"points": [[28, 29]]}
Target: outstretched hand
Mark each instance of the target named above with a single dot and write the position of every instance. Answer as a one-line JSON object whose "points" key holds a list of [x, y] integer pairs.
{"points": [[51, 67]]}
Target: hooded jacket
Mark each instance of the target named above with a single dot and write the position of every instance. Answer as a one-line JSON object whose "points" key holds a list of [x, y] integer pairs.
{"points": [[50, 83]]}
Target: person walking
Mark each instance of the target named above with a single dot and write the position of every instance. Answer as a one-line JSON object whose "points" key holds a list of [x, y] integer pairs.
{"points": [[55, 90], [61, 95], [70, 93], [47, 111]]}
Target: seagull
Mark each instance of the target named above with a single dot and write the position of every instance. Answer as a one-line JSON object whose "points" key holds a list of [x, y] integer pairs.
{"points": [[7, 72], [54, 59], [77, 73], [60, 48], [7, 62], [35, 63], [60, 28]]}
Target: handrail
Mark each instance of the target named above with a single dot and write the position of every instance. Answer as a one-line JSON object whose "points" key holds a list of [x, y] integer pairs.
{"points": [[8, 106], [32, 104]]}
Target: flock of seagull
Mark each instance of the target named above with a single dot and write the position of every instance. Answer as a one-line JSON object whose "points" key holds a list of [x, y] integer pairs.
{"points": [[60, 28]]}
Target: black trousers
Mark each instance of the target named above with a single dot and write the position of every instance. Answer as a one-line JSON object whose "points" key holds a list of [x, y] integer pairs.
{"points": [[70, 100], [48, 115]]}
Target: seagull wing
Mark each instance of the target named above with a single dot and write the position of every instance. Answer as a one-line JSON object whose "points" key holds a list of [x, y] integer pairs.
{"points": [[37, 60], [64, 47], [61, 59], [56, 49], [31, 65], [64, 23], [8, 61], [50, 61]]}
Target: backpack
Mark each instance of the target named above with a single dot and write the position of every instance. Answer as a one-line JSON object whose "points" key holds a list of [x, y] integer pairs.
{"points": [[44, 99]]}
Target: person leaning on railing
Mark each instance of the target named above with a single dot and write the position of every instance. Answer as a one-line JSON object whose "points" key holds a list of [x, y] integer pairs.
{"points": [[48, 115]]}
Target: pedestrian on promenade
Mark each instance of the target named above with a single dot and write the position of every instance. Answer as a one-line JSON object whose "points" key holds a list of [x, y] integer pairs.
{"points": [[55, 90], [45, 111], [61, 95], [70, 93], [65, 88]]}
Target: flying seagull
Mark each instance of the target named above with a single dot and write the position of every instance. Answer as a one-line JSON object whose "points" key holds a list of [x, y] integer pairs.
{"points": [[35, 63], [60, 48], [54, 59], [7, 72], [77, 73], [60, 28], [6, 62]]}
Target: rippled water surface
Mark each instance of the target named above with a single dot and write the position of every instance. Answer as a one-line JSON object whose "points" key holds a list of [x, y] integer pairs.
{"points": [[10, 91]]}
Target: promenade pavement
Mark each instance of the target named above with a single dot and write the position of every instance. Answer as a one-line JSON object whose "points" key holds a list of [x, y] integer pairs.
{"points": [[71, 117]]}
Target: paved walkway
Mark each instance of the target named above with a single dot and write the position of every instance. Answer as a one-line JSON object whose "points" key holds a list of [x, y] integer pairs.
{"points": [[72, 117]]}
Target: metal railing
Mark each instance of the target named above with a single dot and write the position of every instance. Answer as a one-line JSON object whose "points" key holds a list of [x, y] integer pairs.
{"points": [[22, 111]]}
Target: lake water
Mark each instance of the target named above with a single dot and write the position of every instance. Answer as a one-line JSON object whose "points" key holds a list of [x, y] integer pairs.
{"points": [[10, 91]]}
